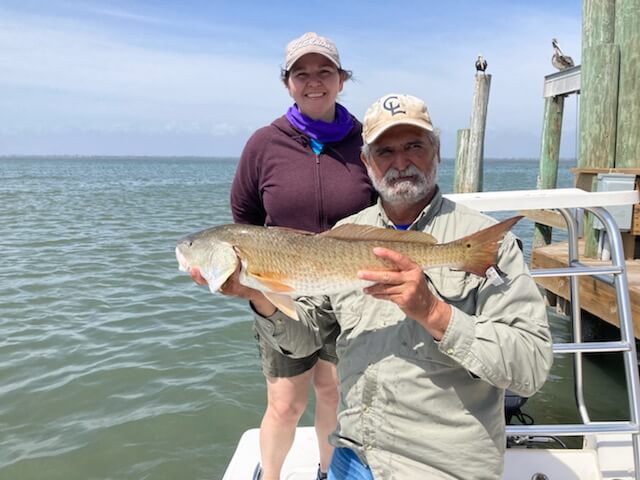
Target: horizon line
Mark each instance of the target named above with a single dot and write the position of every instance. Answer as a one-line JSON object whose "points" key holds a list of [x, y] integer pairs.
{"points": [[212, 157]]}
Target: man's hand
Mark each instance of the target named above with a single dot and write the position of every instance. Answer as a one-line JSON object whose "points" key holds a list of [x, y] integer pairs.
{"points": [[406, 286]]}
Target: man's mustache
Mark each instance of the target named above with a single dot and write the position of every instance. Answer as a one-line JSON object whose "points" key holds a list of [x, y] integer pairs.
{"points": [[410, 171]]}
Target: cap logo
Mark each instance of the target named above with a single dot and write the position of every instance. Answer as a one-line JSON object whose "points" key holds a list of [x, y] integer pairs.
{"points": [[391, 106], [305, 42]]}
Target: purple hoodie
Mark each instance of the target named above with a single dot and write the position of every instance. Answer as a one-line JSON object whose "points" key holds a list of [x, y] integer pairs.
{"points": [[281, 181]]}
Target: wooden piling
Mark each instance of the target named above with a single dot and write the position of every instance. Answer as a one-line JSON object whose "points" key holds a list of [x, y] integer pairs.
{"points": [[627, 37], [475, 153], [549, 158], [598, 106], [598, 114], [598, 95], [462, 184], [598, 22]]}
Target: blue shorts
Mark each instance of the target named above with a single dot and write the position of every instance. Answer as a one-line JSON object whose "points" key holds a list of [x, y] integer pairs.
{"points": [[345, 465]]}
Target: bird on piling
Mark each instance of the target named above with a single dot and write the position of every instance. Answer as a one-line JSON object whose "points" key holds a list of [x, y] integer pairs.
{"points": [[481, 64], [559, 59]]}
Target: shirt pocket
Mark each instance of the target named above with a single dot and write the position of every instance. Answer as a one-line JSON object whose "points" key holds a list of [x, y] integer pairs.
{"points": [[455, 287]]}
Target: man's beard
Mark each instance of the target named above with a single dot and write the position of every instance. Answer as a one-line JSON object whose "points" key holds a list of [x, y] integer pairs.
{"points": [[412, 187]]}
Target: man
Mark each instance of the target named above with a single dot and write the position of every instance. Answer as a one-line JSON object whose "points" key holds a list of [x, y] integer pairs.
{"points": [[424, 359]]}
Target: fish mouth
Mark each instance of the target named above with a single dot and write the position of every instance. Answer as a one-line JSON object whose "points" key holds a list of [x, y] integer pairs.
{"points": [[194, 271], [183, 264]]}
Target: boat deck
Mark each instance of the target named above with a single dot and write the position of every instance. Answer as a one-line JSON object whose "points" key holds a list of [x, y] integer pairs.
{"points": [[520, 463]]}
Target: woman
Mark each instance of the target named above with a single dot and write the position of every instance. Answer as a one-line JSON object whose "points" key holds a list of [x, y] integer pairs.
{"points": [[302, 171]]}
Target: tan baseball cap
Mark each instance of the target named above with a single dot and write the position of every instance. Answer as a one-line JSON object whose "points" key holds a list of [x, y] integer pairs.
{"points": [[310, 42], [391, 110]]}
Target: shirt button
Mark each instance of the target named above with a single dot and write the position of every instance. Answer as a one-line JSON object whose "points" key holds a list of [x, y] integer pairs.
{"points": [[367, 447], [450, 351], [365, 408]]}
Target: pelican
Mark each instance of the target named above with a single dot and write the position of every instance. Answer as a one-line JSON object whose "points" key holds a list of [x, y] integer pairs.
{"points": [[481, 64], [559, 59]]}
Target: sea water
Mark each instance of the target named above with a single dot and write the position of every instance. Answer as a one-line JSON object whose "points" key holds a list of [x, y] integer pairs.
{"points": [[115, 365]]}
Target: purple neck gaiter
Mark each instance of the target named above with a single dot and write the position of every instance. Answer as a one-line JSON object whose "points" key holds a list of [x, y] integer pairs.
{"points": [[323, 132]]}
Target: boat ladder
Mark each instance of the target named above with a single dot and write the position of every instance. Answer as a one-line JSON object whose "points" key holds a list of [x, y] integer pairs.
{"points": [[566, 201]]}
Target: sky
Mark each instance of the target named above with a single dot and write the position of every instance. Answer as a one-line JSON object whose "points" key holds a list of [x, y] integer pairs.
{"points": [[196, 78]]}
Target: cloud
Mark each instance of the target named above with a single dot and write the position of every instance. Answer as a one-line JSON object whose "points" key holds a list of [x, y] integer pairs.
{"points": [[438, 65], [91, 63], [72, 82], [125, 70]]}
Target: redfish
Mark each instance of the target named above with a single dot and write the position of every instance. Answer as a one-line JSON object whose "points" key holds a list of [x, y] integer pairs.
{"points": [[283, 262]]}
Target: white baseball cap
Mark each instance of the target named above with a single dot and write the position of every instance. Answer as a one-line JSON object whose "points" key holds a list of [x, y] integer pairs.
{"points": [[310, 42]]}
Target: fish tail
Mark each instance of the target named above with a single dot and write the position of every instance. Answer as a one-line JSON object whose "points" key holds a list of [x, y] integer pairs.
{"points": [[481, 248]]}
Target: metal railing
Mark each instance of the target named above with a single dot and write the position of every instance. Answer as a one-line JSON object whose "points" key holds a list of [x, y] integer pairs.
{"points": [[615, 275]]}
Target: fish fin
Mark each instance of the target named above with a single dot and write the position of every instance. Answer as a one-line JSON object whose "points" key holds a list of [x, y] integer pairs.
{"points": [[481, 248], [274, 282], [351, 231], [284, 303], [292, 230]]}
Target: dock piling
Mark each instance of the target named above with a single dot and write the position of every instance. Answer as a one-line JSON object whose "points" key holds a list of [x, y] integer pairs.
{"points": [[468, 176], [549, 158], [462, 184]]}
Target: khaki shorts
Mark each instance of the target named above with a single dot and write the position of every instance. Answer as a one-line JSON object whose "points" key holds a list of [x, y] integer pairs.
{"points": [[278, 365]]}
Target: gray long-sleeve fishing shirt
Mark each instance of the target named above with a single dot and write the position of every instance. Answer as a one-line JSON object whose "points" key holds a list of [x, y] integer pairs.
{"points": [[412, 407]]}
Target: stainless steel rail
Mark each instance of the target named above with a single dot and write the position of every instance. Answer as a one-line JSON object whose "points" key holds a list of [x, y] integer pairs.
{"points": [[615, 275]]}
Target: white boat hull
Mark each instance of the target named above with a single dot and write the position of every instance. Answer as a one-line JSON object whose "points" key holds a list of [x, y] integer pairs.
{"points": [[605, 457]]}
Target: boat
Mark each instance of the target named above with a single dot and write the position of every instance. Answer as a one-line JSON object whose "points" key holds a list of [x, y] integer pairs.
{"points": [[610, 449]]}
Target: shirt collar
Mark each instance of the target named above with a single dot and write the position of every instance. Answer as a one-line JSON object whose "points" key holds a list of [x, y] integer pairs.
{"points": [[424, 218]]}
